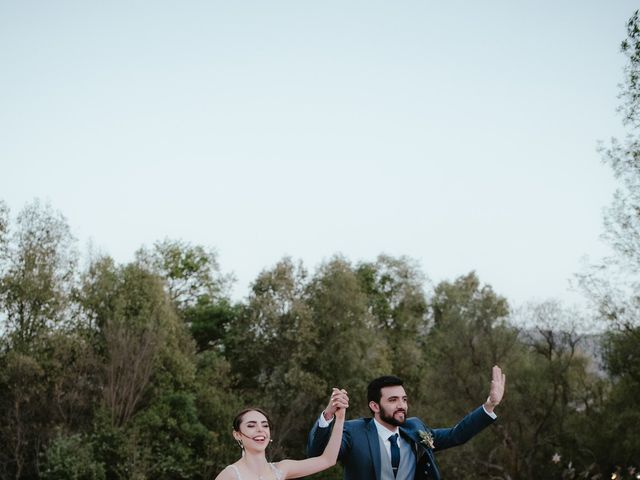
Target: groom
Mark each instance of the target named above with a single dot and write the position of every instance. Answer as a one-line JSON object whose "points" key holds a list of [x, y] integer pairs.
{"points": [[391, 446]]}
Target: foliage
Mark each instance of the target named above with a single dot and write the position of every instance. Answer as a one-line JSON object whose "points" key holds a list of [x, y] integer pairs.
{"points": [[209, 322], [176, 443], [614, 285], [72, 458], [129, 381], [395, 296], [191, 272], [37, 268], [468, 337]]}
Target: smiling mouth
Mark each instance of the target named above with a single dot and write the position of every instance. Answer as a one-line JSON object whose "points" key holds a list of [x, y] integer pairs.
{"points": [[259, 438]]}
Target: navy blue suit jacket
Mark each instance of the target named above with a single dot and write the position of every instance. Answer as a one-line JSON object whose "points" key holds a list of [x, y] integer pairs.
{"points": [[360, 449]]}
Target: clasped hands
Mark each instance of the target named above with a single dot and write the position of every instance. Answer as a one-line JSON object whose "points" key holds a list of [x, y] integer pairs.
{"points": [[338, 403]]}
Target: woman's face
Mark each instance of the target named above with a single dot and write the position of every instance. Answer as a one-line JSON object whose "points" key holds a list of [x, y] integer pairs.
{"points": [[254, 431]]}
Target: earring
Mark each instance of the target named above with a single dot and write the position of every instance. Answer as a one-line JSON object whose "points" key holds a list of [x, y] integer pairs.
{"points": [[240, 444]]}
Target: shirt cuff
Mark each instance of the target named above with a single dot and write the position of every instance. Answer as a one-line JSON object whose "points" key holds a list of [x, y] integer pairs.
{"points": [[491, 414], [323, 422]]}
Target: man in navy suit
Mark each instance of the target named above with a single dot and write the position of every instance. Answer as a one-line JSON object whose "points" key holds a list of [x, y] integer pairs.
{"points": [[391, 446]]}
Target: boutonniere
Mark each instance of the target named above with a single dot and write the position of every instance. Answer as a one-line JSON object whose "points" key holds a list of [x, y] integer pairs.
{"points": [[426, 439]]}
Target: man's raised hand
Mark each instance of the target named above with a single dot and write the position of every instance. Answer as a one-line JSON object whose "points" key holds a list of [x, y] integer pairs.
{"points": [[498, 380]]}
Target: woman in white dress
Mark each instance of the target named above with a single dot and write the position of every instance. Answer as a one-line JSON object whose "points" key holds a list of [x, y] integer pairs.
{"points": [[252, 431]]}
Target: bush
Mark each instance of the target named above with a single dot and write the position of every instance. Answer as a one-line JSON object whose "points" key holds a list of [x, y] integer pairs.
{"points": [[71, 458]]}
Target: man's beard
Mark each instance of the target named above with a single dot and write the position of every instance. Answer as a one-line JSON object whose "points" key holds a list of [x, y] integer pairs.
{"points": [[390, 418]]}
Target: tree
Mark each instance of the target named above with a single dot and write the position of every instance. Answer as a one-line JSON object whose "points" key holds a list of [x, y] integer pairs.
{"points": [[270, 347], [72, 458], [350, 349], [191, 272], [557, 386], [396, 299], [37, 272], [195, 286], [4, 228], [469, 336], [614, 284], [549, 381], [148, 424], [46, 369], [299, 336]]}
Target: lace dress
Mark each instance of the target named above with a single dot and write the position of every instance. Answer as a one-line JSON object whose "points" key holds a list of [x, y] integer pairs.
{"points": [[277, 473]]}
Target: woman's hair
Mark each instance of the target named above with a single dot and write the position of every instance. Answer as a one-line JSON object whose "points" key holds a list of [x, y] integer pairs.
{"points": [[238, 419]]}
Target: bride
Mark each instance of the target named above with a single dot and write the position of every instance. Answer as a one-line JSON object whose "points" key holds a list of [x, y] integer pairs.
{"points": [[252, 431]]}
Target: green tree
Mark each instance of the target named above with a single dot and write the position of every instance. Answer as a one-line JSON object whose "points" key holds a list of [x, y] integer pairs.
{"points": [[556, 386], [37, 272], [191, 271], [196, 287], [299, 336], [469, 336], [270, 346], [395, 296], [72, 458], [549, 384], [351, 349], [148, 424], [46, 369], [614, 285], [217, 403], [4, 228]]}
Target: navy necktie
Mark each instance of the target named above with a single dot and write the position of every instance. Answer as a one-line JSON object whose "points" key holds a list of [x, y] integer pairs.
{"points": [[395, 453]]}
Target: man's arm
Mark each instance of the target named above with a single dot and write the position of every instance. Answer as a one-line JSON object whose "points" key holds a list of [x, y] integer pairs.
{"points": [[475, 421], [472, 424], [321, 431]]}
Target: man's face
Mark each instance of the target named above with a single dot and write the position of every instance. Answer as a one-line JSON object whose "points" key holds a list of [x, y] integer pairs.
{"points": [[393, 405]]}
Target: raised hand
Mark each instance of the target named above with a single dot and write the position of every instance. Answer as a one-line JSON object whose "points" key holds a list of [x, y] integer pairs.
{"points": [[496, 392], [338, 403]]}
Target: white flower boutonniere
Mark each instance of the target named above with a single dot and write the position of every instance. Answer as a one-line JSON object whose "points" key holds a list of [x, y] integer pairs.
{"points": [[426, 439]]}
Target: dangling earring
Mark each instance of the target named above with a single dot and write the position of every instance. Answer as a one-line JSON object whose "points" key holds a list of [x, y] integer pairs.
{"points": [[240, 444]]}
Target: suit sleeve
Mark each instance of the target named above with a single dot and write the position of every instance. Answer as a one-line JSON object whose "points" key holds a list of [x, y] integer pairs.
{"points": [[318, 439], [465, 429]]}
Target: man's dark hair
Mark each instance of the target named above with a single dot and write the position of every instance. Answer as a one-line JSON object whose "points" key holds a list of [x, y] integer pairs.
{"points": [[374, 393]]}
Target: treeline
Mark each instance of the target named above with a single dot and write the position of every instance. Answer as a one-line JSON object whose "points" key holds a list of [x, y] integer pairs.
{"points": [[134, 371]]}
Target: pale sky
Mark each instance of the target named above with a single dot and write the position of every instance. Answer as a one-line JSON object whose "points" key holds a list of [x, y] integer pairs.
{"points": [[461, 134]]}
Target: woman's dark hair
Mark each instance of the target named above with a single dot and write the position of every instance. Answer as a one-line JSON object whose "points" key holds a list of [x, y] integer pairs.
{"points": [[374, 392], [238, 419]]}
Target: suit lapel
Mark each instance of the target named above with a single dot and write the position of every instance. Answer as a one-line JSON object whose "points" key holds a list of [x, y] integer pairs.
{"points": [[374, 447], [412, 437], [421, 452]]}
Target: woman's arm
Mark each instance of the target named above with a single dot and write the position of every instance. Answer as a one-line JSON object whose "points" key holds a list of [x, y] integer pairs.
{"points": [[301, 468]]}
